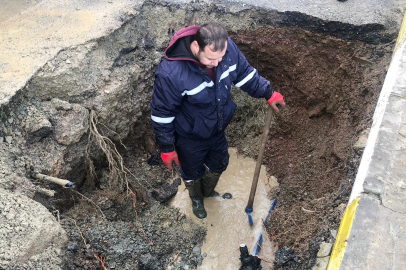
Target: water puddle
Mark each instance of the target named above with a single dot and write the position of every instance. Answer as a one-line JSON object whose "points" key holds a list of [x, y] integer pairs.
{"points": [[227, 223]]}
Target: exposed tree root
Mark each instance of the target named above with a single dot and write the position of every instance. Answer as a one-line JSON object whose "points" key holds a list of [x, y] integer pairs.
{"points": [[134, 200], [80, 232], [119, 173], [102, 260], [176, 257], [89, 200]]}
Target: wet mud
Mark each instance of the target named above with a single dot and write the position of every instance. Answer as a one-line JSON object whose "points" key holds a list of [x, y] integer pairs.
{"points": [[227, 223]]}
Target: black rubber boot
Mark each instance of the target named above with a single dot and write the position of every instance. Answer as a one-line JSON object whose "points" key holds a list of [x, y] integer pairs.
{"points": [[198, 207], [195, 194], [209, 182]]}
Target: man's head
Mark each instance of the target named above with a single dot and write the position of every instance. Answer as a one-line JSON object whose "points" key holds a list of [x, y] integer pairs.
{"points": [[210, 44]]}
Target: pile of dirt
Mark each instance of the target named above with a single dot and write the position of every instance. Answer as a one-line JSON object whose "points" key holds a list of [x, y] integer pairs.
{"points": [[331, 87]]}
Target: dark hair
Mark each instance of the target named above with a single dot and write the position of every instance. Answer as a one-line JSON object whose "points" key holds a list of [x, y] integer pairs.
{"points": [[212, 33]]}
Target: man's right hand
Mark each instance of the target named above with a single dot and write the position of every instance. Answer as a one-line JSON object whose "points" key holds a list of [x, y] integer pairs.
{"points": [[276, 99], [168, 158]]}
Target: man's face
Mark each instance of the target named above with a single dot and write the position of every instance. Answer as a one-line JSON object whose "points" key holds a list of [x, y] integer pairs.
{"points": [[209, 58]]}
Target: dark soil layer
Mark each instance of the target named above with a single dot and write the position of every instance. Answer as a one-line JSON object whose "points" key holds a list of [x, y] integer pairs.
{"points": [[144, 233], [331, 87]]}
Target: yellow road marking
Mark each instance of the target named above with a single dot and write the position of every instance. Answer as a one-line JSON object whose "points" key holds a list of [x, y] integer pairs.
{"points": [[340, 244], [402, 33]]}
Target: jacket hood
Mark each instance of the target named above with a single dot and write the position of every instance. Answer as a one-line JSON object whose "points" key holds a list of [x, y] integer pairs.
{"points": [[182, 33]]}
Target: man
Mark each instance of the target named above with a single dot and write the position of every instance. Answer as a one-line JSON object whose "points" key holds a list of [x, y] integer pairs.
{"points": [[191, 104]]}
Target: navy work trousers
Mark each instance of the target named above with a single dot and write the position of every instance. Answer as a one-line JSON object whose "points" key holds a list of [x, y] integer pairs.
{"points": [[194, 154]]}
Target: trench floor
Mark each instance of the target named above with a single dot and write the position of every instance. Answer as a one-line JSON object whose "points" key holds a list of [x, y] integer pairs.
{"points": [[227, 223]]}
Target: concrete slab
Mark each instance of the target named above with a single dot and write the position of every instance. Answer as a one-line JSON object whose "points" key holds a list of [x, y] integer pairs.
{"points": [[11, 8], [32, 34], [377, 236], [353, 12]]}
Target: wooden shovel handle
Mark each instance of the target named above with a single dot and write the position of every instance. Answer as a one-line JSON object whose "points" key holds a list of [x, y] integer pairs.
{"points": [[268, 121]]}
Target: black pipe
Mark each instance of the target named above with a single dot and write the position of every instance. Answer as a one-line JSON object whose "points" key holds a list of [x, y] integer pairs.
{"points": [[248, 262]]}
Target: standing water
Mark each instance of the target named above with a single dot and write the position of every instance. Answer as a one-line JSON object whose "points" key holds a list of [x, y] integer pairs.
{"points": [[227, 223]]}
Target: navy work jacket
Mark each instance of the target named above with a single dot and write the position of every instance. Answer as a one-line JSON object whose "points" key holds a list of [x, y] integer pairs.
{"points": [[187, 102]]}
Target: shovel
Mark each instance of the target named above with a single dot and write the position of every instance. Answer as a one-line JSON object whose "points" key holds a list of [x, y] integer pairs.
{"points": [[249, 208]]}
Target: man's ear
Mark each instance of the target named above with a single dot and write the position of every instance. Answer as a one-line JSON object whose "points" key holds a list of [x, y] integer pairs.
{"points": [[195, 47]]}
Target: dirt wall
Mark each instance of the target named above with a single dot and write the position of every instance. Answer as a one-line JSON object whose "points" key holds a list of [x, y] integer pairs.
{"points": [[331, 87]]}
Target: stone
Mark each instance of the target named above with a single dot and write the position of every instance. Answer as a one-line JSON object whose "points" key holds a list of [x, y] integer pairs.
{"points": [[402, 130], [89, 255], [9, 139], [71, 125], [61, 104], [361, 143], [1, 139], [227, 196], [321, 263], [324, 250], [196, 251], [30, 230], [10, 120], [73, 247], [37, 126]]}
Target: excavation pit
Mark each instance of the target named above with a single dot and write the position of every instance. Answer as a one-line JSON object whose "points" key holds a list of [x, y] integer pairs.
{"points": [[330, 74], [331, 87]]}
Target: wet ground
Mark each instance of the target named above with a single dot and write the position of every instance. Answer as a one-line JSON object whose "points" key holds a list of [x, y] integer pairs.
{"points": [[227, 223]]}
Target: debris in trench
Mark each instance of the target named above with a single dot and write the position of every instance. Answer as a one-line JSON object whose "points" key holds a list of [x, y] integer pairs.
{"points": [[283, 256], [166, 191], [55, 180], [248, 262], [227, 196], [46, 192], [155, 159]]}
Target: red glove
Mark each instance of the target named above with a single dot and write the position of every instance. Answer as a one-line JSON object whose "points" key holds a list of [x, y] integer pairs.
{"points": [[276, 99], [168, 158]]}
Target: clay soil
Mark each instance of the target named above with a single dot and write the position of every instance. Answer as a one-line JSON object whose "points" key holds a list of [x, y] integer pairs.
{"points": [[331, 88]]}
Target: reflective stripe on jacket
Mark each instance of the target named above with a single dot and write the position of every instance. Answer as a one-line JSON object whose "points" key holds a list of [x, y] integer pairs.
{"points": [[188, 102]]}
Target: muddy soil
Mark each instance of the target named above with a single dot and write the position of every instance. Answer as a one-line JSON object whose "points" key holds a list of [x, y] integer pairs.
{"points": [[331, 87]]}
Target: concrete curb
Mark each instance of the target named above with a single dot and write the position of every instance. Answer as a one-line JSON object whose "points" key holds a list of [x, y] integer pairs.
{"points": [[369, 183]]}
